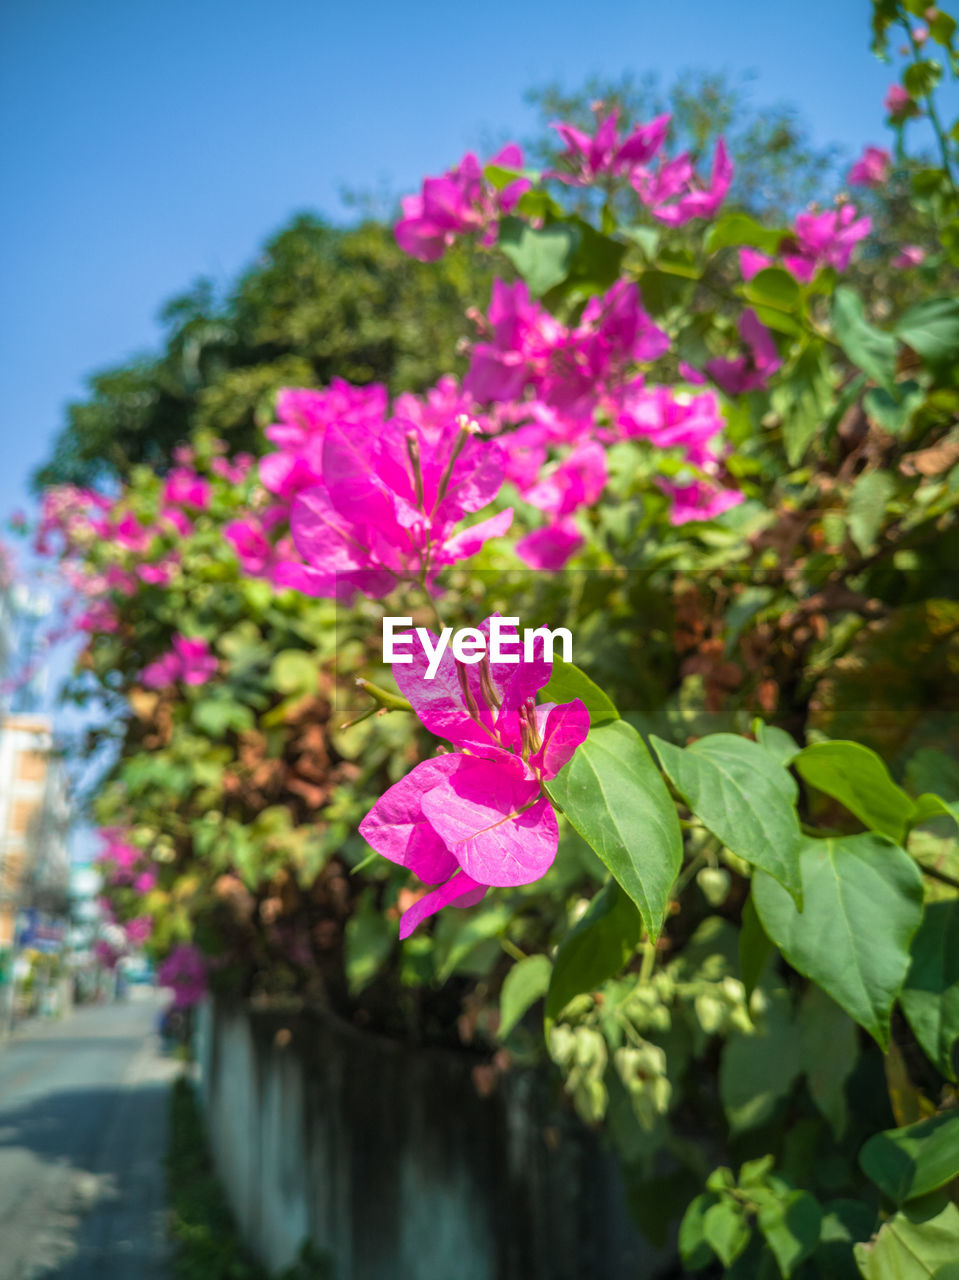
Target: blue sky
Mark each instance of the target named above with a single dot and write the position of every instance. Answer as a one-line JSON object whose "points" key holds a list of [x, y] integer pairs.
{"points": [[146, 143]]}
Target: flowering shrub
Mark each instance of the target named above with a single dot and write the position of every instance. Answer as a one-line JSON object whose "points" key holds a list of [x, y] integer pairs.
{"points": [[710, 871]]}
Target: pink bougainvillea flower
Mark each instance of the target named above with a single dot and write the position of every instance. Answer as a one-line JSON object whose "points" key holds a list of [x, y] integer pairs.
{"points": [[751, 371], [872, 169], [590, 156], [825, 239], [145, 881], [698, 500], [550, 547], [675, 195], [575, 482], [184, 970], [694, 376], [184, 488], [138, 930], [459, 202], [899, 103], [106, 954], [389, 501], [161, 673], [751, 262], [189, 661], [909, 255], [568, 369], [477, 817], [197, 663], [130, 534]]}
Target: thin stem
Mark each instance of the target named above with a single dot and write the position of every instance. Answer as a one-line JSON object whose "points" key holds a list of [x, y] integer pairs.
{"points": [[935, 874], [512, 949], [649, 959], [934, 116]]}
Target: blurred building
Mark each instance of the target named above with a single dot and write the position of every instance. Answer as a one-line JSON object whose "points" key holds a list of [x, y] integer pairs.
{"points": [[34, 820]]}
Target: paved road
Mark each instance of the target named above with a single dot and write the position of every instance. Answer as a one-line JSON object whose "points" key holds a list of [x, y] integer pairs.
{"points": [[83, 1115]]}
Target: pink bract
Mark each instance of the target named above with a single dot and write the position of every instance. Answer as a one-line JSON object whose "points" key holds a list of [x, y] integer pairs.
{"points": [[477, 817]]}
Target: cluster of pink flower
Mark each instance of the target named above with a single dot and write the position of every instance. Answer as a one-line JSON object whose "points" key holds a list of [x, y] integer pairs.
{"points": [[462, 201], [123, 863], [73, 518], [477, 817], [189, 661], [458, 203], [185, 971], [370, 500]]}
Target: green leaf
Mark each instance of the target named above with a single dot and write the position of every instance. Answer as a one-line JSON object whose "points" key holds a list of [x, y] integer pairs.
{"points": [[458, 934], [218, 714], [294, 671], [774, 287], [693, 1246], [867, 507], [542, 255], [922, 77], [930, 997], [828, 1053], [739, 791], [754, 947], [932, 330], [862, 899], [781, 745], [894, 414], [369, 939], [568, 682], [738, 229], [913, 1245], [613, 795], [859, 780], [758, 1070], [910, 1162], [525, 983], [726, 1230], [597, 948], [869, 349], [804, 399], [791, 1226]]}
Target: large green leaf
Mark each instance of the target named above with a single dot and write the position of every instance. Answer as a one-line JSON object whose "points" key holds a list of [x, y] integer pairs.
{"points": [[726, 1230], [613, 795], [828, 1053], [737, 229], [774, 287], [932, 330], [913, 1245], [368, 942], [744, 796], [862, 903], [542, 255], [859, 780], [910, 1162], [930, 997], [524, 984], [758, 1070], [867, 507], [597, 948], [791, 1225], [869, 349], [754, 947], [568, 682]]}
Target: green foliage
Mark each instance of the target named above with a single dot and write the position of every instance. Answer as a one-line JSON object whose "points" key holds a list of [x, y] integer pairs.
{"points": [[612, 794], [855, 890]]}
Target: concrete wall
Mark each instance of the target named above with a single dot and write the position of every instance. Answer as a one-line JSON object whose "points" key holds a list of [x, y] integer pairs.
{"points": [[391, 1164]]}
